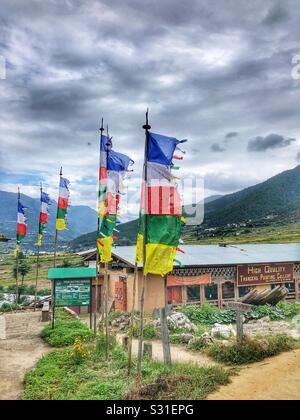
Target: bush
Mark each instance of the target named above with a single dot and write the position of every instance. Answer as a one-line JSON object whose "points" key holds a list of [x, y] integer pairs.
{"points": [[149, 331], [9, 307], [208, 314], [66, 332], [196, 344], [251, 350]]}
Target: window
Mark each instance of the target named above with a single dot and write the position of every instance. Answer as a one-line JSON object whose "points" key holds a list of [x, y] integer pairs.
{"points": [[193, 293], [289, 286], [211, 292], [228, 290], [174, 295], [244, 290]]}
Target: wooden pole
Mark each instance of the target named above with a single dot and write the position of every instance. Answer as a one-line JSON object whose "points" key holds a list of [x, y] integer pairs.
{"points": [[165, 336], [146, 127], [17, 256], [56, 231], [36, 276], [37, 260], [106, 275], [97, 253], [239, 325], [106, 311], [132, 320]]}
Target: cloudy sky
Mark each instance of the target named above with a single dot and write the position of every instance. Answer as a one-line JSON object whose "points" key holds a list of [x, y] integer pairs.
{"points": [[216, 72]]}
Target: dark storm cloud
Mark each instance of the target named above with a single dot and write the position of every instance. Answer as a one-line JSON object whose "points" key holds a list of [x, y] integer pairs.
{"points": [[231, 134], [277, 14], [215, 147], [203, 69], [272, 141]]}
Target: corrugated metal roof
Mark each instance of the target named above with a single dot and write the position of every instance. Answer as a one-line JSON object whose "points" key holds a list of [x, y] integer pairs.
{"points": [[69, 273], [203, 255]]}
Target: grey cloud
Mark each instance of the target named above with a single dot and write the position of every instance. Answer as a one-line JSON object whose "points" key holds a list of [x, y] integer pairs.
{"points": [[276, 14], [203, 70], [272, 141], [231, 134], [215, 147]]}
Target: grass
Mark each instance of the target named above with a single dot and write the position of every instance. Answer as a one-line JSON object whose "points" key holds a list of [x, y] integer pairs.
{"points": [[46, 261], [251, 350], [80, 372], [66, 331], [60, 375]]}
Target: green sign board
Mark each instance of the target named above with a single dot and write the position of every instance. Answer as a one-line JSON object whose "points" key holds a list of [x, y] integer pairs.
{"points": [[72, 292]]}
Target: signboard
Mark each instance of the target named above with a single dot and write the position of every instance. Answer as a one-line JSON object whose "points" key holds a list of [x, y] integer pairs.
{"points": [[68, 292], [239, 306], [260, 274], [189, 280]]}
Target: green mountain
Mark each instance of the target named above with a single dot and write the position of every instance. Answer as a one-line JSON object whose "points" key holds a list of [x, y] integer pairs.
{"points": [[279, 196], [264, 207], [127, 232], [81, 219]]}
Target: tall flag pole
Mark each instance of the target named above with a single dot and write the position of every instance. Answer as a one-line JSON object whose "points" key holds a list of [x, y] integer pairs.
{"points": [[146, 127], [101, 197], [62, 209], [113, 168], [43, 218], [106, 263], [160, 221], [21, 233]]}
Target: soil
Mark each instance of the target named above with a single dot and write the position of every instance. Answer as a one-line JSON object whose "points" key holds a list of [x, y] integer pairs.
{"points": [[277, 378], [19, 352], [178, 353]]}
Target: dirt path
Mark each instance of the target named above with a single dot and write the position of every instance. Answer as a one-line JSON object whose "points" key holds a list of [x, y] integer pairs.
{"points": [[178, 353], [19, 352], [277, 378]]}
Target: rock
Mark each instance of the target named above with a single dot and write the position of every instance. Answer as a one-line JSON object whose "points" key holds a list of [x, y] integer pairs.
{"points": [[179, 320], [206, 337], [265, 319], [225, 331]]}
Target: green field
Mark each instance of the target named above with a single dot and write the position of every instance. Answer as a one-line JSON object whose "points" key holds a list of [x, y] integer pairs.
{"points": [[289, 233], [7, 263]]}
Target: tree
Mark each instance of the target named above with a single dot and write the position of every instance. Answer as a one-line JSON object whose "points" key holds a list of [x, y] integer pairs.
{"points": [[24, 268]]}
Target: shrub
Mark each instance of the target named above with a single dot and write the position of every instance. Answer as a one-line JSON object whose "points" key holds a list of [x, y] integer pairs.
{"points": [[149, 331], [251, 350], [196, 344], [101, 342], [8, 307], [208, 314], [66, 332]]}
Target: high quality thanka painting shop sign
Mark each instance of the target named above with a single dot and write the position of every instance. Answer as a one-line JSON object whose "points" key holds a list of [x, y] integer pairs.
{"points": [[256, 274]]}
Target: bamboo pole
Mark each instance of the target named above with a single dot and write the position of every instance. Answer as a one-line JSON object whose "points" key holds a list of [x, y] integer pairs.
{"points": [[132, 320], [97, 253], [146, 127], [56, 231], [106, 312], [37, 260], [36, 276], [106, 274], [17, 256]]}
